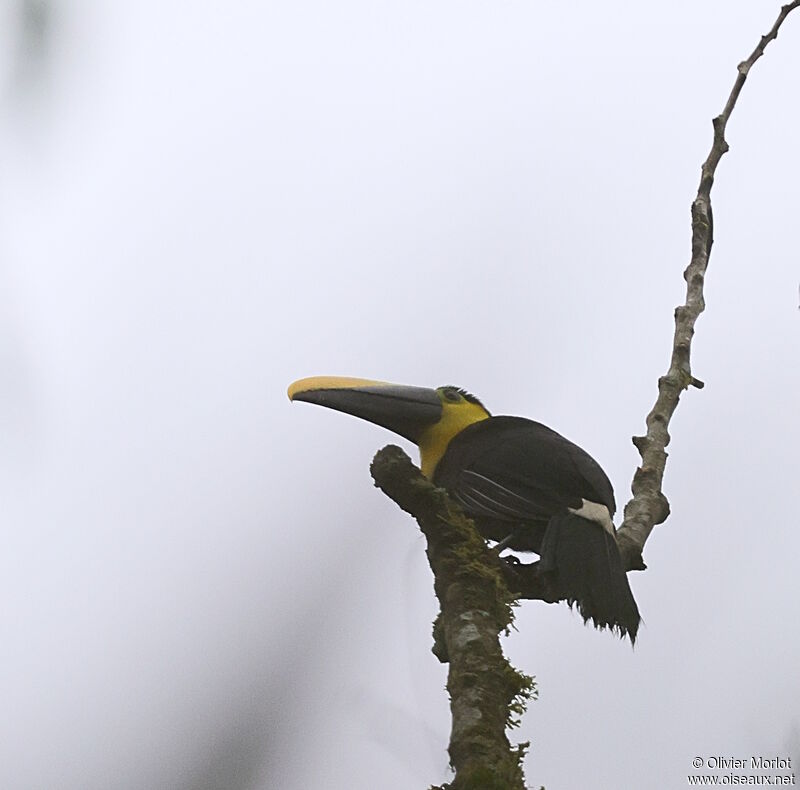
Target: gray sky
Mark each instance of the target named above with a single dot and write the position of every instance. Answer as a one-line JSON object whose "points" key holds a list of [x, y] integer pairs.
{"points": [[201, 587]]}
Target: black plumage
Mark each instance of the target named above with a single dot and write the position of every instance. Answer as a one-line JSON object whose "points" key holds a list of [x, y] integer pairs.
{"points": [[519, 480]]}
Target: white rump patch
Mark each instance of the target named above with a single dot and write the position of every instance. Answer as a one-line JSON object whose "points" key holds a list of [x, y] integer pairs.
{"points": [[598, 513]]}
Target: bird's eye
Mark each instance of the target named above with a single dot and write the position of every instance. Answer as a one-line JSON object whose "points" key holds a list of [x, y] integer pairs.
{"points": [[452, 395]]}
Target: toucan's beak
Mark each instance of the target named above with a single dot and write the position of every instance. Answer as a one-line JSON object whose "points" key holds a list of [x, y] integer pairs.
{"points": [[407, 411]]}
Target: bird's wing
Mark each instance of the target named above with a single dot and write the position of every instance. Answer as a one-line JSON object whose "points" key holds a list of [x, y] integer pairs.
{"points": [[514, 469]]}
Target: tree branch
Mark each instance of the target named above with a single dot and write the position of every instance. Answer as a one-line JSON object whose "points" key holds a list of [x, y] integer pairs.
{"points": [[487, 694], [648, 505], [476, 589]]}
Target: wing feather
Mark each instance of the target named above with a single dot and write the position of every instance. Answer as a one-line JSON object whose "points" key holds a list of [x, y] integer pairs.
{"points": [[513, 469]]}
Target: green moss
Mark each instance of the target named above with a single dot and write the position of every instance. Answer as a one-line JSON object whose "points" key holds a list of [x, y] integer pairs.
{"points": [[522, 688]]}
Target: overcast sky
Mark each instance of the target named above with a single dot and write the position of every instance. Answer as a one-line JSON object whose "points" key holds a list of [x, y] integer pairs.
{"points": [[201, 588]]}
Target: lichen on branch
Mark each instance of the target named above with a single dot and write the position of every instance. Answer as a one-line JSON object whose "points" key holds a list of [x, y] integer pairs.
{"points": [[487, 695]]}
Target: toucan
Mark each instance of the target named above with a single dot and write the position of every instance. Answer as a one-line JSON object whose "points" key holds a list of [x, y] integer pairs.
{"points": [[525, 486]]}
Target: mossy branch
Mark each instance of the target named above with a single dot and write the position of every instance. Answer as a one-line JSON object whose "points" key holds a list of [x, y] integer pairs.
{"points": [[487, 695], [648, 505]]}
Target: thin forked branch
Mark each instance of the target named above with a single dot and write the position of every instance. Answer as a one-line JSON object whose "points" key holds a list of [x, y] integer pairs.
{"points": [[648, 505]]}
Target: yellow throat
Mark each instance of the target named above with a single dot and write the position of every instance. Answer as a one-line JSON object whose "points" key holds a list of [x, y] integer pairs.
{"points": [[457, 414]]}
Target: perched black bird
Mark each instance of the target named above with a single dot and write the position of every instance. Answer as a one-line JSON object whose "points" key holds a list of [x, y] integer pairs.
{"points": [[526, 486]]}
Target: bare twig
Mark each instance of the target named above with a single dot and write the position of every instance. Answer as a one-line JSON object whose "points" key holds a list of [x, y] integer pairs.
{"points": [[649, 506]]}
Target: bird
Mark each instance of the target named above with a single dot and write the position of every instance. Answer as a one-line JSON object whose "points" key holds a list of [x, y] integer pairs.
{"points": [[525, 486]]}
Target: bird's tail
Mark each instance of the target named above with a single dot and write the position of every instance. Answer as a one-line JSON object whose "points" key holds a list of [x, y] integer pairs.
{"points": [[582, 564]]}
